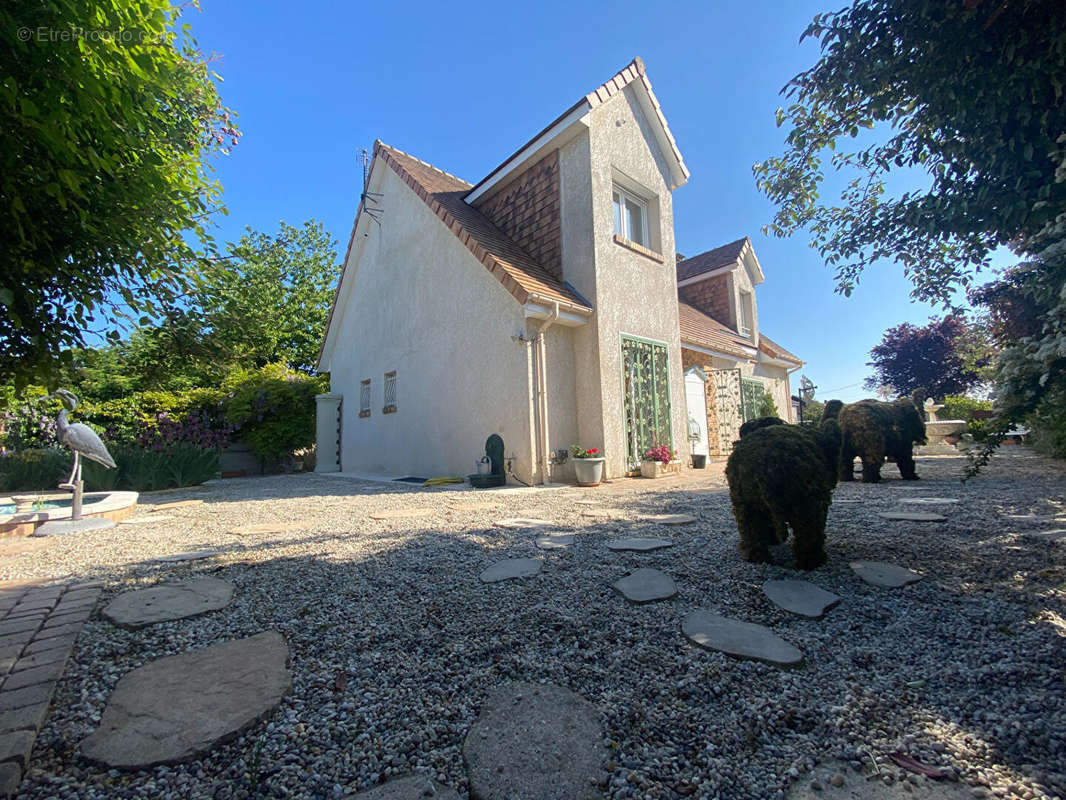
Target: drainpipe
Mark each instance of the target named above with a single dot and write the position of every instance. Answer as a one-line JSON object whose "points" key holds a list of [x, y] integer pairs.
{"points": [[541, 356]]}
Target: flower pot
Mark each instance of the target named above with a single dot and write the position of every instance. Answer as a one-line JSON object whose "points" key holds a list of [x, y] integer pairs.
{"points": [[656, 469], [699, 461], [589, 471]]}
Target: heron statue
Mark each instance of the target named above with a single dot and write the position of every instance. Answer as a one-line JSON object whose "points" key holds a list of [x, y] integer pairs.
{"points": [[83, 441]]}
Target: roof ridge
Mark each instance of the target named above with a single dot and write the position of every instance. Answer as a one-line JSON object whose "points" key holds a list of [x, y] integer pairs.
{"points": [[712, 249], [378, 142]]}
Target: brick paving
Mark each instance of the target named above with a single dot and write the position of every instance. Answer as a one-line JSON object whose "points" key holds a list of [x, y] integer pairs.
{"points": [[38, 627]]}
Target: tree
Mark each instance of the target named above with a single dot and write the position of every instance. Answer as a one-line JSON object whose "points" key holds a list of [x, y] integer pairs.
{"points": [[947, 356], [109, 116], [972, 92]]}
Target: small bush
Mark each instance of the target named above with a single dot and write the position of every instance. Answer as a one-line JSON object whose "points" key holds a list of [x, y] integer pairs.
{"points": [[31, 423], [34, 470], [812, 412], [960, 407], [138, 470], [766, 407]]}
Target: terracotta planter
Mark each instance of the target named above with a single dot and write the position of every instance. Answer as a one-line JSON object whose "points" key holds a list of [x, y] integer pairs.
{"points": [[657, 469], [589, 471]]}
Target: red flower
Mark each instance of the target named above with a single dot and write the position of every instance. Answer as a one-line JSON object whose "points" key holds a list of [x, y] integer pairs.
{"points": [[594, 450]]}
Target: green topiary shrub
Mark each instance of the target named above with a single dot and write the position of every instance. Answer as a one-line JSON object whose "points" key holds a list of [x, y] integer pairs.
{"points": [[274, 409]]}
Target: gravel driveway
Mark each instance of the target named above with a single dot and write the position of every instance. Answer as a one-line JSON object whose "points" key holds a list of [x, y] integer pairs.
{"points": [[395, 642]]}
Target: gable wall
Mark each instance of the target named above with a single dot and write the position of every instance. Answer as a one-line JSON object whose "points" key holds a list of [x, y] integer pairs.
{"points": [[712, 298], [528, 211], [419, 303]]}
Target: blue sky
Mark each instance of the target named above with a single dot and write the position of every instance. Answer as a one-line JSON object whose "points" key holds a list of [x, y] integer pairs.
{"points": [[464, 85]]}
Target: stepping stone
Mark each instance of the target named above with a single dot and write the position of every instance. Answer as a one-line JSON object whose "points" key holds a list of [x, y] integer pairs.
{"points": [[639, 544], [741, 639], [521, 523], [64, 527], [800, 597], [535, 741], [669, 519], [912, 516], [887, 576], [178, 708], [168, 601], [413, 787], [931, 501], [151, 518], [1056, 535], [192, 555], [268, 527], [177, 504], [511, 568], [646, 585], [403, 513], [555, 541], [476, 506]]}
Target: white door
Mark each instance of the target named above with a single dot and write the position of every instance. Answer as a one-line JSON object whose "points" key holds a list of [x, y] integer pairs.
{"points": [[696, 405]]}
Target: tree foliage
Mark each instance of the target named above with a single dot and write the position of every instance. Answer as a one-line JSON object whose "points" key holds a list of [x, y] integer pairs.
{"points": [[110, 116], [972, 93], [946, 357]]}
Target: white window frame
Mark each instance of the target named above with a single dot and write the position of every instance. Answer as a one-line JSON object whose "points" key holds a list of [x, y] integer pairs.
{"points": [[625, 233], [746, 314], [364, 398]]}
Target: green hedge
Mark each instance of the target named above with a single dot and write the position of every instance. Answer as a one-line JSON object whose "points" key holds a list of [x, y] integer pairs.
{"points": [[138, 470], [959, 407]]}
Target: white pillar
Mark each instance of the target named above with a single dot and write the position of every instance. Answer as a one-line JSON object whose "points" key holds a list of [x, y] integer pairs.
{"points": [[328, 432]]}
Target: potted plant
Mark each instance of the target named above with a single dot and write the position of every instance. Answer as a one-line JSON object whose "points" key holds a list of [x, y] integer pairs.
{"points": [[588, 465], [659, 461]]}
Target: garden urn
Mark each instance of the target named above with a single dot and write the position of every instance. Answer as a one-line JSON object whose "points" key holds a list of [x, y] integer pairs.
{"points": [[589, 471]]}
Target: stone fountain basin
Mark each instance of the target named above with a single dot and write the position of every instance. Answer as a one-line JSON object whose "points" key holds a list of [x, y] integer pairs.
{"points": [[115, 506], [936, 432]]}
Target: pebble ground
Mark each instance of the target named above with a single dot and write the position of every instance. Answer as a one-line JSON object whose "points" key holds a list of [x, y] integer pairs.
{"points": [[395, 642]]}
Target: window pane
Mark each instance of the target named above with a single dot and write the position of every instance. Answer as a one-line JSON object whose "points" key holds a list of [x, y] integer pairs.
{"points": [[635, 222], [619, 231]]}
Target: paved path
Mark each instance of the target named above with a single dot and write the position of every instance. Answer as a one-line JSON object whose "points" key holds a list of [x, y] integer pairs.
{"points": [[38, 626]]}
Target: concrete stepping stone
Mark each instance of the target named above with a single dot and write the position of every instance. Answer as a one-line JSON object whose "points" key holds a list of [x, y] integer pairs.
{"points": [[521, 523], [639, 544], [413, 787], [192, 555], [535, 741], [930, 501], [886, 576], [176, 504], [65, 527], [555, 541], [178, 708], [148, 520], [512, 568], [912, 516], [669, 519], [741, 639], [260, 528], [168, 601], [480, 505], [1056, 535], [646, 586], [402, 513], [800, 597]]}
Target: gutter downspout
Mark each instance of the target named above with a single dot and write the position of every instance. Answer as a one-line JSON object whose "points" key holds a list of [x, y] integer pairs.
{"points": [[788, 391], [541, 360]]}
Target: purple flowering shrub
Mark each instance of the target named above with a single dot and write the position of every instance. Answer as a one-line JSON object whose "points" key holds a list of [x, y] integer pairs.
{"points": [[31, 424]]}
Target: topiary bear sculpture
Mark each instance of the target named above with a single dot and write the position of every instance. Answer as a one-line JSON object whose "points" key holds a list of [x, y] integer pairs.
{"points": [[874, 430], [782, 476]]}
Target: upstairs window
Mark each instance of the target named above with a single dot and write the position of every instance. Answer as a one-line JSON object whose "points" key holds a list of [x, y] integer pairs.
{"points": [[745, 315], [364, 398], [630, 217], [390, 393]]}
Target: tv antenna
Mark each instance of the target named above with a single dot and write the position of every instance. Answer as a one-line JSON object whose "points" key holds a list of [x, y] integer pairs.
{"points": [[369, 199]]}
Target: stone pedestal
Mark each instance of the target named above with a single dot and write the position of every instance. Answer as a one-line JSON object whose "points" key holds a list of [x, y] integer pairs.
{"points": [[328, 432]]}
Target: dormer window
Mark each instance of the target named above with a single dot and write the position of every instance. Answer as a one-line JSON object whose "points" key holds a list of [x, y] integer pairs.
{"points": [[745, 315], [630, 217]]}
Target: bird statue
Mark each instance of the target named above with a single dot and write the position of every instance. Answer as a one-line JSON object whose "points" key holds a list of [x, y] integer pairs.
{"points": [[83, 441]]}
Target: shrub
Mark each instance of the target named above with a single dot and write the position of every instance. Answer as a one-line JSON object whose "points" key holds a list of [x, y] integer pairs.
{"points": [[812, 412], [961, 407], [152, 418], [31, 424], [32, 470], [661, 454], [138, 470], [274, 408]]}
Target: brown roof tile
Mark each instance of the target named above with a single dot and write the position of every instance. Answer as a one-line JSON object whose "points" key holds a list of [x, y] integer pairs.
{"points": [[722, 256], [774, 350], [704, 330]]}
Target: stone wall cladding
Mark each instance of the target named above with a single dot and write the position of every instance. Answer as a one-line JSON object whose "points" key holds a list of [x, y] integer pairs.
{"points": [[38, 627], [711, 297], [690, 359], [528, 212]]}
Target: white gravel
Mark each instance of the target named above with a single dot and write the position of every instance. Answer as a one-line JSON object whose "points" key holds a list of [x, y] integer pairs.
{"points": [[395, 642]]}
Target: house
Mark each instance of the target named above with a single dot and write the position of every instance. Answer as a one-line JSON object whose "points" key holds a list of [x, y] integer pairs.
{"points": [[540, 304]]}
